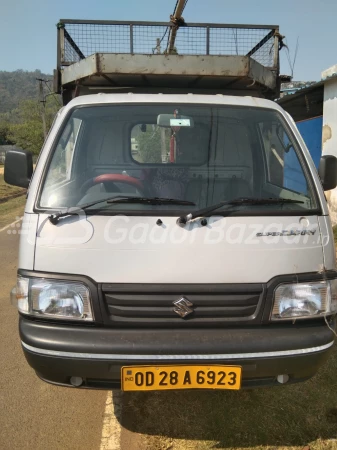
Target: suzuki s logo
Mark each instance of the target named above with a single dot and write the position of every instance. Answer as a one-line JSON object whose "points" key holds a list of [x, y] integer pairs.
{"points": [[183, 307]]}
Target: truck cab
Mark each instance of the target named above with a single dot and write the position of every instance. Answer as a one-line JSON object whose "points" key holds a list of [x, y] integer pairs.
{"points": [[174, 240]]}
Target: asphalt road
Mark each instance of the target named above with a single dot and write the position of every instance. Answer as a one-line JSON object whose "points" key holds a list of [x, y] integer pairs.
{"points": [[33, 414]]}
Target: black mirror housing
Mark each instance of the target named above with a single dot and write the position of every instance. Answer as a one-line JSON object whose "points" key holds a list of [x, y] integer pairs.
{"points": [[18, 168], [328, 172]]}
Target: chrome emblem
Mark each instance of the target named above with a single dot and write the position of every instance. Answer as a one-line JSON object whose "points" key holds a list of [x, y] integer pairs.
{"points": [[183, 307]]}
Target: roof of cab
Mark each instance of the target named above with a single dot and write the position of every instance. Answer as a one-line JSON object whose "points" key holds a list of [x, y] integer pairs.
{"points": [[217, 99]]}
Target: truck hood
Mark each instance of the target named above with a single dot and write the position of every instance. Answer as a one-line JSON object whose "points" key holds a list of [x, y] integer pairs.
{"points": [[124, 249]]}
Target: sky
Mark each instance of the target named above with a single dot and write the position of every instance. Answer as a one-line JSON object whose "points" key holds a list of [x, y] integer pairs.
{"points": [[28, 27]]}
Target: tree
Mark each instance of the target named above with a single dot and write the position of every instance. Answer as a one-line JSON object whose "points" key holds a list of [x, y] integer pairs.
{"points": [[4, 129], [18, 86], [25, 127]]}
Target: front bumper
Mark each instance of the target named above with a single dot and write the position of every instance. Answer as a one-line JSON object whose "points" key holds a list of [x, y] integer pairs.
{"points": [[58, 352]]}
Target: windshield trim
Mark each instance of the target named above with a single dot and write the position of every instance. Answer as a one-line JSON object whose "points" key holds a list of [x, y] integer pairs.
{"points": [[37, 208]]}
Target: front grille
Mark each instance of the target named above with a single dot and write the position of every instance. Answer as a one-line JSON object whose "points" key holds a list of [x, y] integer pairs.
{"points": [[153, 305]]}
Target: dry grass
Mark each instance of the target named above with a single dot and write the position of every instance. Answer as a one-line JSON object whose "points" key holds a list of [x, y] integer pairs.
{"points": [[7, 190], [11, 210]]}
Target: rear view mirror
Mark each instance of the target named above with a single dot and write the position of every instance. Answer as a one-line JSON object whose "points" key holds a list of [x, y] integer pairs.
{"points": [[169, 120], [18, 168], [328, 172]]}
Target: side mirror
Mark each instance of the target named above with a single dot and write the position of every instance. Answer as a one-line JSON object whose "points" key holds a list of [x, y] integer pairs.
{"points": [[328, 172], [18, 168]]}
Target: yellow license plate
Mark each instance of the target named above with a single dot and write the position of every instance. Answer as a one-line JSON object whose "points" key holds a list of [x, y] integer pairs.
{"points": [[156, 378]]}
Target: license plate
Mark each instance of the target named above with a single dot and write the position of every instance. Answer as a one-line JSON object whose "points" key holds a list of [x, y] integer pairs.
{"points": [[156, 378]]}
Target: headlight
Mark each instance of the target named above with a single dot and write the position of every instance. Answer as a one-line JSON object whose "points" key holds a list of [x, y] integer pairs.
{"points": [[52, 298], [305, 300]]}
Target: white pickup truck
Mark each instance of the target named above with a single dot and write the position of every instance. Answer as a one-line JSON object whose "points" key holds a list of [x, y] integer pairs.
{"points": [[173, 240]]}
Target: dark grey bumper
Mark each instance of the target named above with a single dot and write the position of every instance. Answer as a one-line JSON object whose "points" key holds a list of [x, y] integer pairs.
{"points": [[58, 352]]}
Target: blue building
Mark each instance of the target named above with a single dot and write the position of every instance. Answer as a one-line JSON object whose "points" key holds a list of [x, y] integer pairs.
{"points": [[314, 109]]}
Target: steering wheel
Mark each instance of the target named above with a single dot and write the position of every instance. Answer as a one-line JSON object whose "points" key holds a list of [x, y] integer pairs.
{"points": [[113, 177]]}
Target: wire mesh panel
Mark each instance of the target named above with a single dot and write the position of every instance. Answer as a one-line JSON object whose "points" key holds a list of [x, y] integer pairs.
{"points": [[264, 54], [150, 39], [191, 41], [71, 53], [257, 43], [82, 39], [155, 39], [95, 38]]}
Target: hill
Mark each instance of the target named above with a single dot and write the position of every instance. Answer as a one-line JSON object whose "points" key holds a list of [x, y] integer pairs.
{"points": [[17, 86]]}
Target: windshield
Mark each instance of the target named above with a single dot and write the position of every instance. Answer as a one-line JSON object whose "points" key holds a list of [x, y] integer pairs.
{"points": [[201, 154]]}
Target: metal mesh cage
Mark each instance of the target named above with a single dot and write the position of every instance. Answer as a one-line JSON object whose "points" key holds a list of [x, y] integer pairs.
{"points": [[257, 43], [82, 39]]}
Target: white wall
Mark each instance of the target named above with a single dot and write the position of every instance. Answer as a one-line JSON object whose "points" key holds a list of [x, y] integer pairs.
{"points": [[329, 136]]}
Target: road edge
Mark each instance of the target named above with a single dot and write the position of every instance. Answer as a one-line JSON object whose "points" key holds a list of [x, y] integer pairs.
{"points": [[111, 430]]}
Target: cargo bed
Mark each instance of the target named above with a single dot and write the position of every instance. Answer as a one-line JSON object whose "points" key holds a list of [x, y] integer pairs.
{"points": [[107, 56]]}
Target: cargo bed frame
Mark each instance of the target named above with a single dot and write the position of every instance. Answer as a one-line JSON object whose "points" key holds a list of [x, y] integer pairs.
{"points": [[114, 56]]}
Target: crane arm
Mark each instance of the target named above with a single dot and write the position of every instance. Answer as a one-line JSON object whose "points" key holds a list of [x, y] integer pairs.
{"points": [[176, 19]]}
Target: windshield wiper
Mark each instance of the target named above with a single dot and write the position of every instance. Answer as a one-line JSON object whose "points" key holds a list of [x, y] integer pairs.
{"points": [[151, 201], [54, 218], [182, 220]]}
